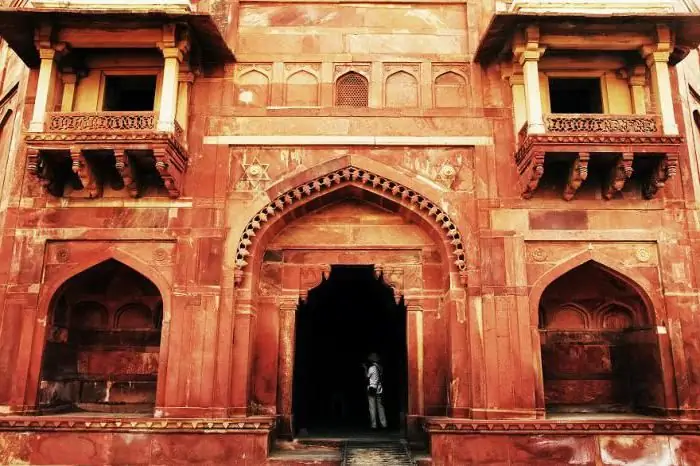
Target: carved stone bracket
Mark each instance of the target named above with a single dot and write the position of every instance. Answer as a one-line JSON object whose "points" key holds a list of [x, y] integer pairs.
{"points": [[311, 277], [620, 173], [577, 175], [42, 173], [532, 173], [127, 172], [171, 168], [665, 168], [87, 176], [392, 276]]}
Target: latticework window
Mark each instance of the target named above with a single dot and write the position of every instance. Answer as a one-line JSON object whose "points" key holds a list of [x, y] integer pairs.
{"points": [[351, 90]]}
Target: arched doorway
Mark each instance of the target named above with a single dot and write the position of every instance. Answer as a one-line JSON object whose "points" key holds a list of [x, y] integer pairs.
{"points": [[600, 350], [102, 343], [348, 316]]}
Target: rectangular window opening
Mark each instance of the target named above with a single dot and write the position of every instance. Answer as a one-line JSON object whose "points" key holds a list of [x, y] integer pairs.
{"points": [[575, 95], [129, 93]]}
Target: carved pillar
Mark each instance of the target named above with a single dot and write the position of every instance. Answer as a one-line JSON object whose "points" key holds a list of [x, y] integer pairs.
{"points": [[414, 343], [168, 95], [44, 88], [69, 82], [183, 101], [517, 87], [287, 327], [528, 53], [638, 81], [243, 343], [657, 60]]}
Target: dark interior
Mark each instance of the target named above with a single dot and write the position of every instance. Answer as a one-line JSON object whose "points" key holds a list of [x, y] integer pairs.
{"points": [[348, 316], [129, 93], [575, 95]]}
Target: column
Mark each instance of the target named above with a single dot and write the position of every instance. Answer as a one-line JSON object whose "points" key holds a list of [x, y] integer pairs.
{"points": [[657, 60], [69, 81], [169, 88], [45, 84], [528, 55], [287, 325], [414, 343], [517, 87], [638, 80], [183, 100]]}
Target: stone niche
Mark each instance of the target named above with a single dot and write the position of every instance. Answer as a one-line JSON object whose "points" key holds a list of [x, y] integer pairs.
{"points": [[102, 347], [599, 349]]}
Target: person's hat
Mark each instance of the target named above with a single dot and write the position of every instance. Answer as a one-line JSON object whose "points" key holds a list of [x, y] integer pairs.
{"points": [[374, 357]]}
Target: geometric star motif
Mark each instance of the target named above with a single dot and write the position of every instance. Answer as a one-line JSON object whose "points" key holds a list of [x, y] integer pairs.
{"points": [[255, 174]]}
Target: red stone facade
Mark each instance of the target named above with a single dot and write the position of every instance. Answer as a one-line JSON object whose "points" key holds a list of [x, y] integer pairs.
{"points": [[151, 281]]}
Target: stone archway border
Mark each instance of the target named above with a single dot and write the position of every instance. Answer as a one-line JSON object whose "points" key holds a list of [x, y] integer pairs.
{"points": [[360, 177]]}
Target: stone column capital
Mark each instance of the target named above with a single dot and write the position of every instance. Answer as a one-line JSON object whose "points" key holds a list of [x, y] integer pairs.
{"points": [[171, 52]]}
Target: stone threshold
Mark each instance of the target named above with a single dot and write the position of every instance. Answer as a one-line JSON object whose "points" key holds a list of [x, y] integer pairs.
{"points": [[301, 140], [562, 424]]}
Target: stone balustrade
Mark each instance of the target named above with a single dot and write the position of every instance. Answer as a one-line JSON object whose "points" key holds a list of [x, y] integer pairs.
{"points": [[100, 121], [598, 123]]}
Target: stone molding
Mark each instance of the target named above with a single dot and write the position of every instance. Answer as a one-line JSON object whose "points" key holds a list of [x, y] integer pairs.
{"points": [[126, 424], [358, 177], [361, 140], [563, 426]]}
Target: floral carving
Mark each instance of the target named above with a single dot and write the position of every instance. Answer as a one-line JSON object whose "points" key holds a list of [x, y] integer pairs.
{"points": [[594, 123], [357, 176], [101, 121]]}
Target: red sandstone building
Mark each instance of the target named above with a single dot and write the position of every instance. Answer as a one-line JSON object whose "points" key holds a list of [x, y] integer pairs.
{"points": [[212, 212]]}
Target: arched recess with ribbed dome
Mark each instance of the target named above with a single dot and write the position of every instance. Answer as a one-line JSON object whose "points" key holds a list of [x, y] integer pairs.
{"points": [[600, 347]]}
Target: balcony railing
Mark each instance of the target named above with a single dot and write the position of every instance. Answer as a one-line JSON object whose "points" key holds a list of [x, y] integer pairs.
{"points": [[597, 123], [74, 122]]}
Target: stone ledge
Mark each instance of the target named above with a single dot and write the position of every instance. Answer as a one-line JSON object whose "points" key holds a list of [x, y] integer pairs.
{"points": [[440, 425], [257, 424], [300, 140]]}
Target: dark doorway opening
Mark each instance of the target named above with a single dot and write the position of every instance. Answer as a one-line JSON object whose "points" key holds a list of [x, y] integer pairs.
{"points": [[347, 317], [575, 95], [129, 93]]}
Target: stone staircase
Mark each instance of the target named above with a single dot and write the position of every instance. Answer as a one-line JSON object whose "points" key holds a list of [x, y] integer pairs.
{"points": [[346, 452]]}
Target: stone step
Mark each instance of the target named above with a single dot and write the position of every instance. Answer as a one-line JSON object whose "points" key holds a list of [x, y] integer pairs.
{"points": [[394, 453]]}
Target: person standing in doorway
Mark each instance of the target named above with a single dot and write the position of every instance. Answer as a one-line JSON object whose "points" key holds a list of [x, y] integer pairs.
{"points": [[375, 391]]}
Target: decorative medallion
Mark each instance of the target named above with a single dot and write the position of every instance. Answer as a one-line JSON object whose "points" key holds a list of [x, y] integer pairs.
{"points": [[539, 255], [255, 177], [62, 255], [446, 175], [642, 254], [160, 255]]}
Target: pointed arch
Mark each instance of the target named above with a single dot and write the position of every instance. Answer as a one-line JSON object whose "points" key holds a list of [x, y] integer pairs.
{"points": [[352, 90], [302, 90], [50, 287], [401, 90], [631, 277], [253, 89], [358, 182], [450, 90]]}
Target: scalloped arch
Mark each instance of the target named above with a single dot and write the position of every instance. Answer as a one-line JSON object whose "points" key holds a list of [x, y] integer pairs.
{"points": [[352, 175]]}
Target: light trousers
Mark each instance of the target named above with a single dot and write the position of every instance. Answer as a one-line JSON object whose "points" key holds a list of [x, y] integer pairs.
{"points": [[376, 404]]}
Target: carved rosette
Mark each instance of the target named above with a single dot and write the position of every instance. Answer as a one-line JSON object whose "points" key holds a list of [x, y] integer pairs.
{"points": [[368, 180], [577, 175]]}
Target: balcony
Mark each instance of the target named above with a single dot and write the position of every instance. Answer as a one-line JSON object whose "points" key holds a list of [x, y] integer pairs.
{"points": [[86, 151], [616, 140]]}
